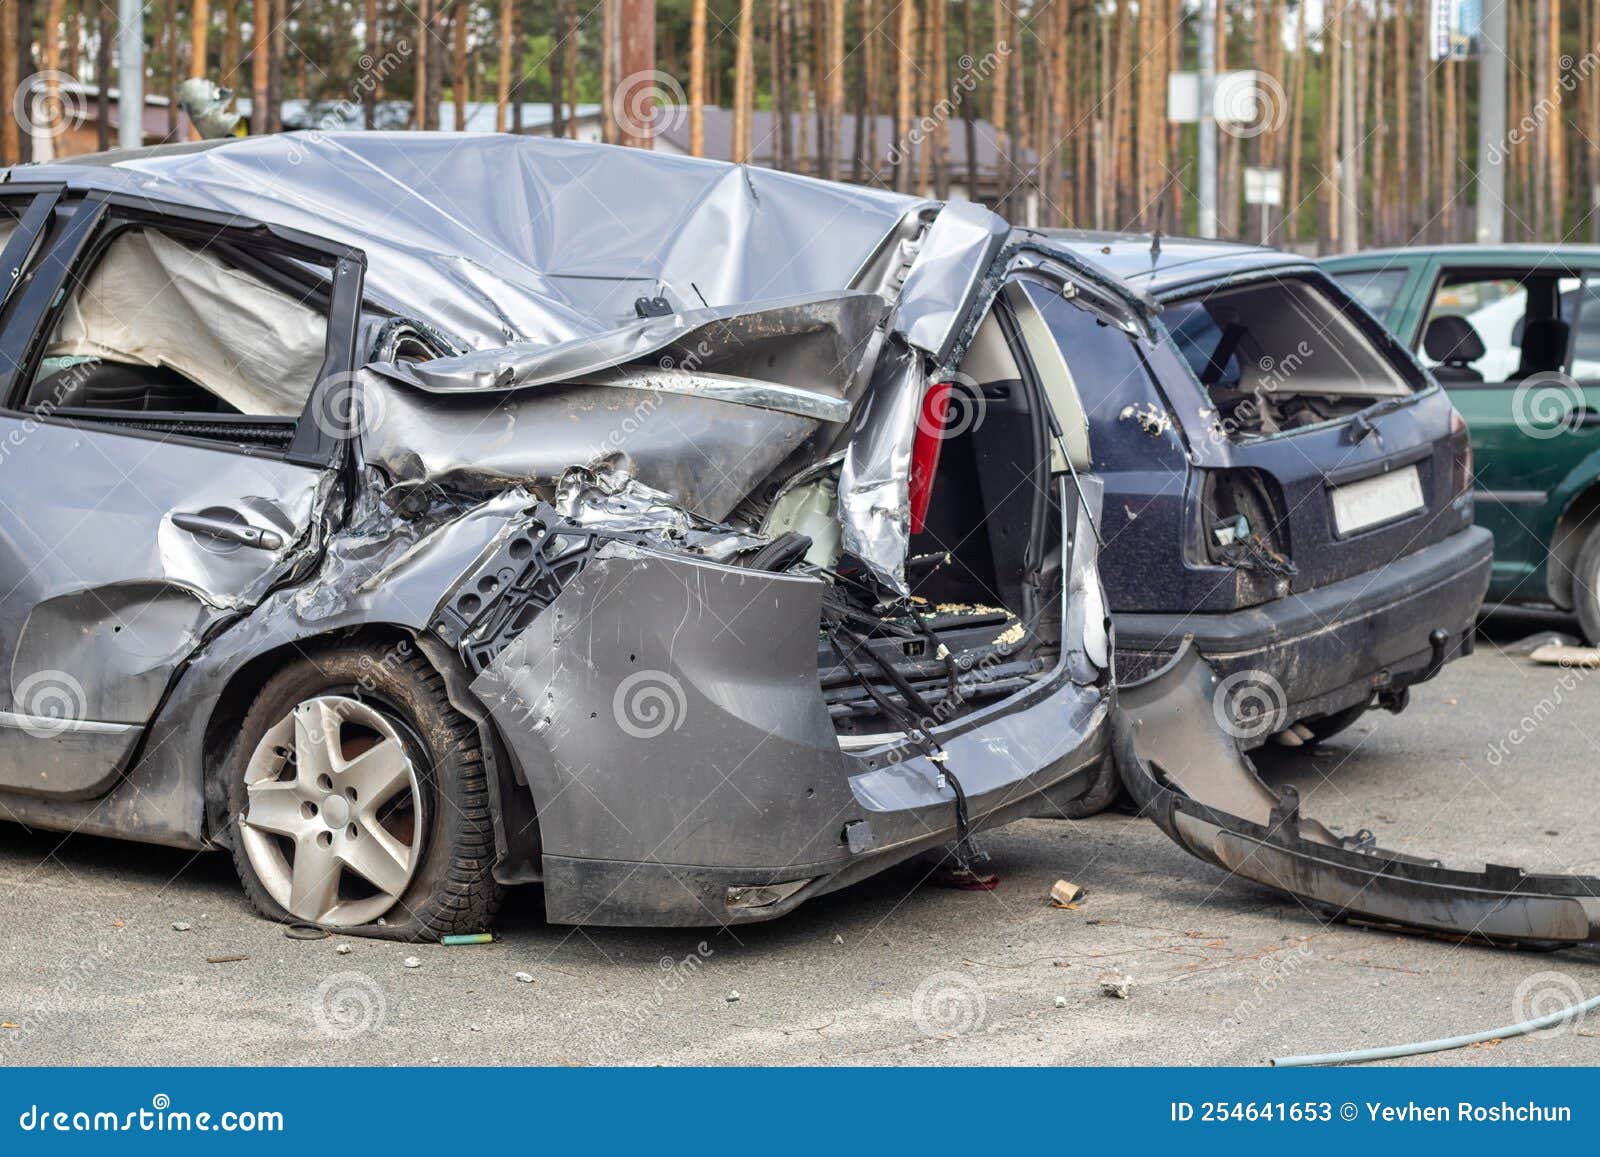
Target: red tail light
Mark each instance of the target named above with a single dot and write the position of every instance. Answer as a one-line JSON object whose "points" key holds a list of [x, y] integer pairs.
{"points": [[1460, 454], [925, 450]]}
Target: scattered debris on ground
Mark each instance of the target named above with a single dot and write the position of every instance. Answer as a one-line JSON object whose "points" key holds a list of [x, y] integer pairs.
{"points": [[1566, 655], [228, 958], [1066, 894], [523, 977], [411, 962], [1117, 984]]}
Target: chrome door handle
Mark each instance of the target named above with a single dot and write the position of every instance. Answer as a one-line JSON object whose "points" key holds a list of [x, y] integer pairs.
{"points": [[227, 530]]}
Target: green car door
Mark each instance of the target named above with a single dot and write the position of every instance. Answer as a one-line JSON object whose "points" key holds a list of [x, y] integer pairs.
{"points": [[1515, 339]]}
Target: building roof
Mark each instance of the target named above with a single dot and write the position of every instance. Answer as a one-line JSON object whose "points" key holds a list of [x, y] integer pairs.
{"points": [[672, 124]]}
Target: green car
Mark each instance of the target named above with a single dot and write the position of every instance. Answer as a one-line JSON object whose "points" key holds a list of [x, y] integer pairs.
{"points": [[1513, 333]]}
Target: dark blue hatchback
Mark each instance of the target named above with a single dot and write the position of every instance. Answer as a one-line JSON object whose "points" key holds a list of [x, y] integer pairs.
{"points": [[1283, 482]]}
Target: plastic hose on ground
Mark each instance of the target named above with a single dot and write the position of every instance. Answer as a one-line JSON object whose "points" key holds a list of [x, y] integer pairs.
{"points": [[1388, 1052]]}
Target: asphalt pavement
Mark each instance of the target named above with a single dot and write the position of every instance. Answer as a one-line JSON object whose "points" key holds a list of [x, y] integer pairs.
{"points": [[1495, 760]]}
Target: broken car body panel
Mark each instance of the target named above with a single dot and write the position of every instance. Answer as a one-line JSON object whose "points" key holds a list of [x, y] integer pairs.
{"points": [[519, 376], [1201, 790]]}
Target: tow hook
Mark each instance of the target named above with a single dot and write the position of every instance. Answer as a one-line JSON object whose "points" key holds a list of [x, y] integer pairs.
{"points": [[1439, 640]]}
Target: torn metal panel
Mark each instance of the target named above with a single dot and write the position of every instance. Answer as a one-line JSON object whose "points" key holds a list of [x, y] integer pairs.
{"points": [[649, 660], [708, 455], [943, 283], [874, 495], [814, 342], [532, 239], [606, 498], [1201, 790]]}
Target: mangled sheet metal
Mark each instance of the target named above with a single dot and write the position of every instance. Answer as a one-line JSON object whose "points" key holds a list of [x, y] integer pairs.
{"points": [[529, 239], [1189, 775]]}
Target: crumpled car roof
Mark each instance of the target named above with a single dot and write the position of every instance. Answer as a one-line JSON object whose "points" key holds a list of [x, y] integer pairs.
{"points": [[494, 238]]}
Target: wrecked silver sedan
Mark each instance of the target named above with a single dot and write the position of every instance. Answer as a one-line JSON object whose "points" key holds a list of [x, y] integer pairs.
{"points": [[415, 516]]}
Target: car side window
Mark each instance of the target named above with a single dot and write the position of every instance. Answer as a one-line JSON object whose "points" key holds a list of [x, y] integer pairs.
{"points": [[1504, 328], [1586, 330], [1376, 289], [158, 322]]}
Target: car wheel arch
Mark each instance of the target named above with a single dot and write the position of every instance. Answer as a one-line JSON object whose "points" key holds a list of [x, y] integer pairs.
{"points": [[1579, 517], [243, 682]]}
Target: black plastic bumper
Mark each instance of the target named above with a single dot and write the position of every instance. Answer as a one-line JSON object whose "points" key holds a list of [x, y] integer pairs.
{"points": [[1339, 645]]}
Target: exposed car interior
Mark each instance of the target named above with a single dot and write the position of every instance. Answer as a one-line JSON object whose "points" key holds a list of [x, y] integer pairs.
{"points": [[1495, 327], [985, 546], [1279, 355], [160, 326]]}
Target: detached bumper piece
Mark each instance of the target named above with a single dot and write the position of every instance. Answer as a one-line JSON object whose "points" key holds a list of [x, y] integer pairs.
{"points": [[1190, 777]]}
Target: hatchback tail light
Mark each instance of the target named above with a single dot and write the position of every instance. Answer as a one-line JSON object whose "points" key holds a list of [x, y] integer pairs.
{"points": [[1460, 454], [925, 450]]}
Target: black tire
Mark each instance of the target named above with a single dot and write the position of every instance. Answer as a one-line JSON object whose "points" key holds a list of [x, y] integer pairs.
{"points": [[1586, 588], [1328, 726], [452, 888]]}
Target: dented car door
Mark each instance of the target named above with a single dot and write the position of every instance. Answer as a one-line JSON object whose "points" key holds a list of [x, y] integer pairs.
{"points": [[167, 444]]}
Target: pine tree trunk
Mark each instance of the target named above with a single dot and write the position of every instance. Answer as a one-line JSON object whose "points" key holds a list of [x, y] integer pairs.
{"points": [[744, 83], [502, 88], [697, 79], [783, 97], [905, 93], [560, 52], [459, 83]]}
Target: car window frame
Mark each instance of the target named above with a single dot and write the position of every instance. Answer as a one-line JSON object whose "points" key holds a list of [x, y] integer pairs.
{"points": [[97, 216], [1404, 272], [1498, 271]]}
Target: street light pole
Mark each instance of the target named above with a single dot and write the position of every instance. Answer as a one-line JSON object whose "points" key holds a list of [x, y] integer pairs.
{"points": [[1492, 124], [130, 73], [1207, 122]]}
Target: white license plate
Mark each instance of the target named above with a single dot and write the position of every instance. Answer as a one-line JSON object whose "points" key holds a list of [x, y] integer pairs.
{"points": [[1374, 501]]}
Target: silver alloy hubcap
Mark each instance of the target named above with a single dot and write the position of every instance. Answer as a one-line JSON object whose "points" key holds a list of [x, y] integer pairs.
{"points": [[332, 793]]}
